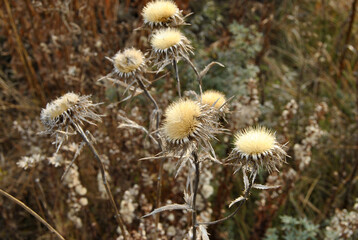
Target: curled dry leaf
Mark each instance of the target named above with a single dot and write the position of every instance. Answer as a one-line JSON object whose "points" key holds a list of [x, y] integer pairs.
{"points": [[169, 208]]}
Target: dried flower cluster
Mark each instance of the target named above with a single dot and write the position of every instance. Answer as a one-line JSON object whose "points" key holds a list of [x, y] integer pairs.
{"points": [[312, 135], [343, 225]]}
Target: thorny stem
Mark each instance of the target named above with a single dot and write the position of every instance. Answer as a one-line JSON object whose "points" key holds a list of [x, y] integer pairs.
{"points": [[147, 93], [175, 65], [196, 184], [197, 75], [160, 172], [32, 212], [104, 179], [246, 196]]}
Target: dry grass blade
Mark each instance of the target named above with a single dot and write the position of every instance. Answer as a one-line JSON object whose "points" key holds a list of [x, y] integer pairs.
{"points": [[32, 212]]}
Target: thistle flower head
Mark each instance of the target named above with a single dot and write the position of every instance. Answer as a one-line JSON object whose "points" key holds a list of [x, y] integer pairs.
{"points": [[181, 119], [168, 44], [213, 99], [60, 115], [129, 63], [162, 13], [188, 125], [257, 146]]}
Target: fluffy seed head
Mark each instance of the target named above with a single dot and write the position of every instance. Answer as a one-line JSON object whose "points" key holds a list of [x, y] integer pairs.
{"points": [[213, 98], [159, 11], [129, 63], [181, 119], [60, 115], [166, 38], [168, 44], [255, 141], [255, 147], [56, 108]]}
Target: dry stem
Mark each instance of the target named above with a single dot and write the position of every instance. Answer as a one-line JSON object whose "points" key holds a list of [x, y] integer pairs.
{"points": [[175, 65], [196, 184], [246, 196], [105, 183]]}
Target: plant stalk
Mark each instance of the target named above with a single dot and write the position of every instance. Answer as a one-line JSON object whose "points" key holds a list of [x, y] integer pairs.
{"points": [[175, 65], [160, 171], [104, 179], [196, 185]]}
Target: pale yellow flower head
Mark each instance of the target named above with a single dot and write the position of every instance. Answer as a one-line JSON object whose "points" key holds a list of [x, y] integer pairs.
{"points": [[213, 98], [162, 13], [168, 44], [159, 11], [129, 62], [166, 38], [181, 119], [257, 146], [257, 140]]}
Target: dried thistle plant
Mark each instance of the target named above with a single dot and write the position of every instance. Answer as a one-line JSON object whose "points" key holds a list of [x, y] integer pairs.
{"points": [[68, 113], [62, 116]]}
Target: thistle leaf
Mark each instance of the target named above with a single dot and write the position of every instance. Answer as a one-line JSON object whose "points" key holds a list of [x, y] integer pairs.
{"points": [[169, 208], [264, 187], [239, 199]]}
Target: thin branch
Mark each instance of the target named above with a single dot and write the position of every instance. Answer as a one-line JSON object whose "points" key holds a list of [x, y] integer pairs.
{"points": [[104, 180], [247, 193], [196, 184], [197, 75], [160, 171], [175, 65], [32, 212]]}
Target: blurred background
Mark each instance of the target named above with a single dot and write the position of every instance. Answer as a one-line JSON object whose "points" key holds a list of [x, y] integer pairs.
{"points": [[291, 65]]}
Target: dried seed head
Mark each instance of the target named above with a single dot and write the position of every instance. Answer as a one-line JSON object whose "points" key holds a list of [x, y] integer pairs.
{"points": [[60, 115], [257, 146], [129, 63], [213, 98], [188, 125], [165, 39], [168, 44], [181, 119], [162, 13]]}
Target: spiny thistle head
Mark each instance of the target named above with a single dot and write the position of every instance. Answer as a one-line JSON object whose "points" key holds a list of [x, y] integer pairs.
{"points": [[65, 113], [181, 119], [213, 98], [188, 125], [162, 13], [168, 44], [129, 63], [257, 146]]}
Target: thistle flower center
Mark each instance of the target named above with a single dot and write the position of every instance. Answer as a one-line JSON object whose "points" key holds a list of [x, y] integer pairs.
{"points": [[159, 11], [212, 97], [255, 141], [181, 119], [128, 61], [164, 39]]}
